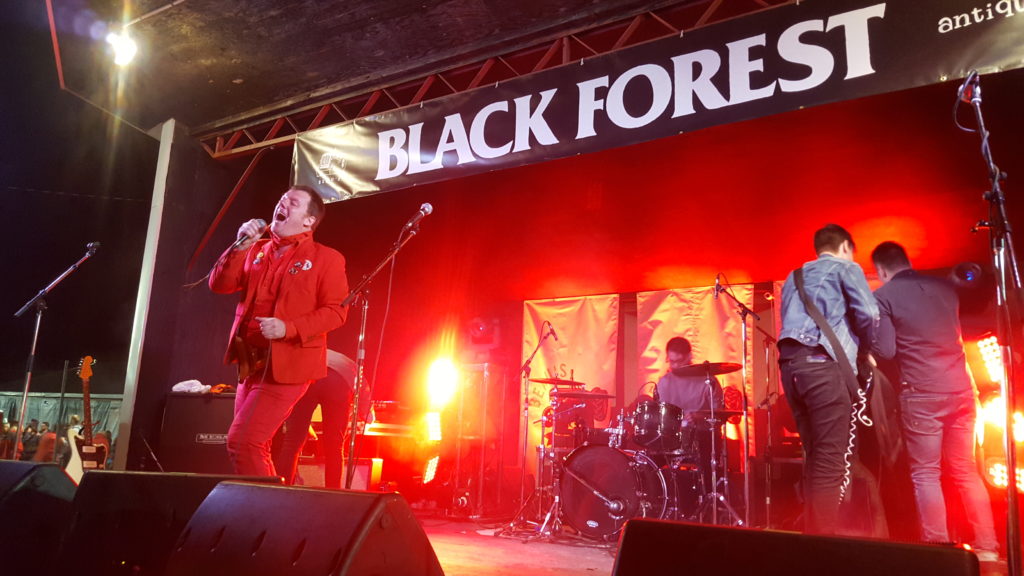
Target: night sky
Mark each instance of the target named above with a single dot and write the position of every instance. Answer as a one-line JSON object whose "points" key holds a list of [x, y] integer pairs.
{"points": [[69, 175]]}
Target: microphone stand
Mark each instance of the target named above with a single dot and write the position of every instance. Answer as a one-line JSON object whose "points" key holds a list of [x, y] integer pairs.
{"points": [[361, 292], [40, 305], [743, 311], [1008, 310], [524, 371]]}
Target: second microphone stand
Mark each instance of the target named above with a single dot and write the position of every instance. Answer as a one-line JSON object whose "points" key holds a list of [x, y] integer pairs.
{"points": [[361, 292], [743, 311]]}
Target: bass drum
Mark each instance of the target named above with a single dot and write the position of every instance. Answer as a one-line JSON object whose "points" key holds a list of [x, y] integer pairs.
{"points": [[629, 483]]}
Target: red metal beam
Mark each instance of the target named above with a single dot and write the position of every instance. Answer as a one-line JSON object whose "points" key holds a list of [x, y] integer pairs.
{"points": [[224, 208]]}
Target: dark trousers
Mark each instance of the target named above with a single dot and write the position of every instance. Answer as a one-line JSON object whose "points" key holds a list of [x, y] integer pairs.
{"points": [[822, 407]]}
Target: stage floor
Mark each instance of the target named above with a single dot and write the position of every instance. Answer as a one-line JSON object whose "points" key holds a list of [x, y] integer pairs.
{"points": [[465, 548]]}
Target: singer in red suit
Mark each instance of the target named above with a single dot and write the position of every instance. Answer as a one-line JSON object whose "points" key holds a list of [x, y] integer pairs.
{"points": [[292, 292]]}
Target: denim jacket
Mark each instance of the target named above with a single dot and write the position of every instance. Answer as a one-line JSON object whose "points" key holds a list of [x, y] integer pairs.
{"points": [[840, 291]]}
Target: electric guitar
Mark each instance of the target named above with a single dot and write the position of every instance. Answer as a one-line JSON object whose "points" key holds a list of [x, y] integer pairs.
{"points": [[86, 454]]}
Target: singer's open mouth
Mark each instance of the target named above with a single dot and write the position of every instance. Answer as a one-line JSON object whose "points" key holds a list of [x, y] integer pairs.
{"points": [[280, 217]]}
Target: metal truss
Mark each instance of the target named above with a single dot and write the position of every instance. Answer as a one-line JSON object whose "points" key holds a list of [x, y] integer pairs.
{"points": [[282, 127]]}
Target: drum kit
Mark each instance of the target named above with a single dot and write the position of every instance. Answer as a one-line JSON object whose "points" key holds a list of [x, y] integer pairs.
{"points": [[654, 461]]}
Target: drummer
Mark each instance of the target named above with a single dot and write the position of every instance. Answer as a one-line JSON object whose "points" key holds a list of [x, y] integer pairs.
{"points": [[692, 394], [680, 387]]}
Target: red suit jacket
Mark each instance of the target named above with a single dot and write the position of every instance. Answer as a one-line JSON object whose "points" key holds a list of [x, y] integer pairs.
{"points": [[308, 301]]}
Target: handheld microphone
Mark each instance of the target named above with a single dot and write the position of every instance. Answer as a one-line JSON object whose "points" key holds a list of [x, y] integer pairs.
{"points": [[718, 286], [263, 228], [425, 210], [970, 90]]}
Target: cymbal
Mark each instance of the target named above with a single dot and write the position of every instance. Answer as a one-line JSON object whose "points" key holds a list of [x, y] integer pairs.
{"points": [[579, 394], [557, 382], [705, 368], [705, 414]]}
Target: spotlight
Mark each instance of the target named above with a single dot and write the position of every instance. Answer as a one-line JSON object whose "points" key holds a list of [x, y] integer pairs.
{"points": [[124, 47], [442, 381]]}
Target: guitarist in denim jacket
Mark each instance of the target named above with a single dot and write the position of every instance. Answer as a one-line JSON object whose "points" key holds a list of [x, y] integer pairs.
{"points": [[815, 386], [292, 289]]}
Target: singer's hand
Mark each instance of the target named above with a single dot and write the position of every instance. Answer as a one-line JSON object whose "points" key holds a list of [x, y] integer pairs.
{"points": [[248, 233], [271, 328]]}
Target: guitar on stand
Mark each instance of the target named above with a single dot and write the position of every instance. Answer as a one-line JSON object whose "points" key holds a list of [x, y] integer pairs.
{"points": [[86, 454]]}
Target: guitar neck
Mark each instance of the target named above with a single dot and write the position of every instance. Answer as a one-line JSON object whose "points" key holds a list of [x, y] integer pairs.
{"points": [[87, 412]]}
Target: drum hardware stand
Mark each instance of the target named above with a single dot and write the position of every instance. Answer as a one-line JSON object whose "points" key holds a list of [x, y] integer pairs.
{"points": [[546, 530], [552, 523], [519, 519], [715, 497]]}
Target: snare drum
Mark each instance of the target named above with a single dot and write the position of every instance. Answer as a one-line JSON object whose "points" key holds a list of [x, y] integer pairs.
{"points": [[656, 425]]}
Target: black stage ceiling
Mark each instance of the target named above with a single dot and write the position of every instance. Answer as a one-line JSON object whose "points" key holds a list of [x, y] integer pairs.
{"points": [[214, 65]]}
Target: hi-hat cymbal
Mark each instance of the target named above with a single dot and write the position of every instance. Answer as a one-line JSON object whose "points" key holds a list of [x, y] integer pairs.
{"points": [[579, 394], [557, 382], [706, 368]]}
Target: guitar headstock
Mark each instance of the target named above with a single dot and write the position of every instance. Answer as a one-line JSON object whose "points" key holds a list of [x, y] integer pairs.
{"points": [[85, 367]]}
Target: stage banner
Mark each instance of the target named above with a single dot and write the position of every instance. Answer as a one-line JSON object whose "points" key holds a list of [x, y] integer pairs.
{"points": [[780, 59], [712, 325], [585, 350]]}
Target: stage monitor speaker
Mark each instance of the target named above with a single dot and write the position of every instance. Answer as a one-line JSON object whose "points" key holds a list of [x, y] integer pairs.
{"points": [[128, 522], [658, 547], [194, 433], [35, 510], [277, 531]]}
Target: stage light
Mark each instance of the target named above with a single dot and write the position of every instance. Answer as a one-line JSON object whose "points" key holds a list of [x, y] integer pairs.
{"points": [[442, 381], [992, 417], [993, 411], [997, 474], [124, 47], [992, 354], [430, 470]]}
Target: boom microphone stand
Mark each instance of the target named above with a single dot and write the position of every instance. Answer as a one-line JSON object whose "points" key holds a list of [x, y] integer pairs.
{"points": [[40, 305], [743, 311], [361, 291], [1008, 307]]}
